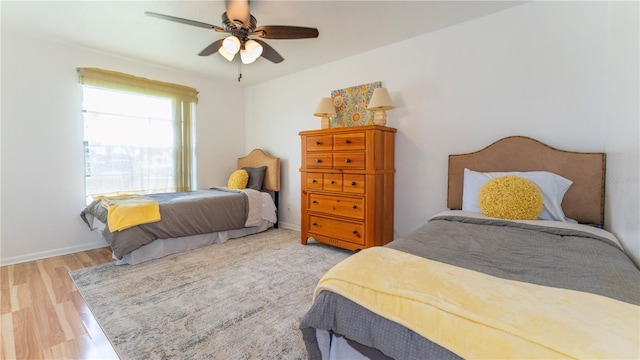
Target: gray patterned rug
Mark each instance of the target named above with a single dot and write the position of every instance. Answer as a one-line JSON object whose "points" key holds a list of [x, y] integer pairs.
{"points": [[239, 300]]}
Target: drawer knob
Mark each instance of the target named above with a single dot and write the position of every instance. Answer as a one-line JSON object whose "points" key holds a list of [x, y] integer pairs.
{"points": [[348, 141], [318, 143], [314, 224], [314, 181], [314, 202], [355, 206], [355, 232], [318, 161], [353, 183], [347, 161], [333, 181]]}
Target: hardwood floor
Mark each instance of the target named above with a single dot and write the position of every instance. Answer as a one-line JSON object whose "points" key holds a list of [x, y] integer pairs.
{"points": [[43, 316]]}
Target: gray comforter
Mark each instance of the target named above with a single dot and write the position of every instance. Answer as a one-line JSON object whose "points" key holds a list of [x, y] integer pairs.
{"points": [[182, 214], [546, 256]]}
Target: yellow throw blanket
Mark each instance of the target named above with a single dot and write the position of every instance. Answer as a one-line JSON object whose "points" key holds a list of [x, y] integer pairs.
{"points": [[125, 211], [480, 316]]}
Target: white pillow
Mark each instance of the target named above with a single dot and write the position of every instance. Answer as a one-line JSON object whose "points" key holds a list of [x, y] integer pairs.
{"points": [[552, 186]]}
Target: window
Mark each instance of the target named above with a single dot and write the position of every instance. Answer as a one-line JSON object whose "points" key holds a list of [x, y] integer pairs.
{"points": [[128, 142], [137, 139]]}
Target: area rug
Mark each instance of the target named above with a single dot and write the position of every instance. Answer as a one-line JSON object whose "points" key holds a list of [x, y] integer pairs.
{"points": [[239, 300]]}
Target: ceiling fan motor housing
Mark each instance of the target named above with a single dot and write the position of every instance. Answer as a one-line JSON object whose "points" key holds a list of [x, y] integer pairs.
{"points": [[238, 29]]}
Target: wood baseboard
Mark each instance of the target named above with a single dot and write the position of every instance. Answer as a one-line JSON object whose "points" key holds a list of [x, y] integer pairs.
{"points": [[52, 253]]}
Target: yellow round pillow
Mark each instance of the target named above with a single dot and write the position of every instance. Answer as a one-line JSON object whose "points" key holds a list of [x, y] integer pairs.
{"points": [[238, 179], [511, 197]]}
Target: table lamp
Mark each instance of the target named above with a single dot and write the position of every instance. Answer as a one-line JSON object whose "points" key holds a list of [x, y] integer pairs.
{"points": [[325, 110], [380, 101]]}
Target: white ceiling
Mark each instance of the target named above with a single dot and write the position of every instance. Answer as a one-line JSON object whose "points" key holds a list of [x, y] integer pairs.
{"points": [[346, 28]]}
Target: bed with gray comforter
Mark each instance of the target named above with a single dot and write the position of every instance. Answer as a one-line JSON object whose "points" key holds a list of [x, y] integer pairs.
{"points": [[182, 214], [560, 257]]}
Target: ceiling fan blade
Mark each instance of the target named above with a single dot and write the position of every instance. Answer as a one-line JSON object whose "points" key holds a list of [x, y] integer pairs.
{"points": [[184, 21], [211, 48], [286, 32], [238, 12], [270, 53]]}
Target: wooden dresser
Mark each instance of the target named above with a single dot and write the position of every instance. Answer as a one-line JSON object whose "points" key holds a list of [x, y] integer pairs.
{"points": [[347, 186]]}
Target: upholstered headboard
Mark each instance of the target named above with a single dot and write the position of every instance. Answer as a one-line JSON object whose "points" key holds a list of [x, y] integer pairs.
{"points": [[584, 201], [257, 158]]}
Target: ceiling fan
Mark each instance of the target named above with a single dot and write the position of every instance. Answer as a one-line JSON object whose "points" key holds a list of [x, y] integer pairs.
{"points": [[240, 24]]}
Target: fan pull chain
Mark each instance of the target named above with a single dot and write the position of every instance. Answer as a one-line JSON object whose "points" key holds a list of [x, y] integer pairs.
{"points": [[239, 69]]}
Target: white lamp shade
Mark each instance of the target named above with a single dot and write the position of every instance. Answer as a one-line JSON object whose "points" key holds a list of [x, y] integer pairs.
{"points": [[253, 48], [246, 57], [380, 100], [231, 44], [227, 55], [325, 108]]}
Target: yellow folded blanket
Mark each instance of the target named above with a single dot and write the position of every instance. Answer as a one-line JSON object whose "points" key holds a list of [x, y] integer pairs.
{"points": [[125, 211], [480, 316]]}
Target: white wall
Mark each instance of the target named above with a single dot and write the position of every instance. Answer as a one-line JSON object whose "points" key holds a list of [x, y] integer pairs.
{"points": [[621, 114], [42, 152], [536, 70]]}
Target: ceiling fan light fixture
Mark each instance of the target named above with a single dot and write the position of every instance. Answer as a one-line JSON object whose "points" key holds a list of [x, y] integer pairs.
{"points": [[253, 48], [231, 44], [227, 55], [246, 57]]}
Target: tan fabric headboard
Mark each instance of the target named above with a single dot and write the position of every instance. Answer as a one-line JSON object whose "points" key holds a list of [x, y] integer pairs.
{"points": [[257, 158], [584, 201]]}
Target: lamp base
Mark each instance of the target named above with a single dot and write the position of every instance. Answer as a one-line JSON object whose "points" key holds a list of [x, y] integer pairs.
{"points": [[325, 123], [380, 118]]}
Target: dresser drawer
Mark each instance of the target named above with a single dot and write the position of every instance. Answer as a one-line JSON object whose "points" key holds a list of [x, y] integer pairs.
{"points": [[332, 182], [349, 160], [319, 160], [320, 143], [346, 230], [314, 181], [349, 141], [337, 205], [352, 183]]}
